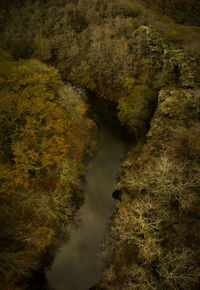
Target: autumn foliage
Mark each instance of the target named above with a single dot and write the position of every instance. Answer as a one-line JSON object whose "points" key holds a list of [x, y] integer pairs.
{"points": [[124, 51], [41, 134]]}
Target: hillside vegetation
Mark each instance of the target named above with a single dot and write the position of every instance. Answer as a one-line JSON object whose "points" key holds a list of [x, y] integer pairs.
{"points": [[154, 238], [144, 57], [94, 45], [42, 141], [182, 11]]}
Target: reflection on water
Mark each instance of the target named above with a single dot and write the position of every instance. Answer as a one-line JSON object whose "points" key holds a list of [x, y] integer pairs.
{"points": [[78, 264]]}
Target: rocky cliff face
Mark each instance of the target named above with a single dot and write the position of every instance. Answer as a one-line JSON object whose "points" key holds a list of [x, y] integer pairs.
{"points": [[177, 107], [154, 237], [179, 100], [157, 67], [147, 42]]}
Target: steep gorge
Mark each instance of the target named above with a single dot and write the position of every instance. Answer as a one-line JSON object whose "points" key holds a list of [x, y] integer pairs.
{"points": [[154, 236], [150, 70]]}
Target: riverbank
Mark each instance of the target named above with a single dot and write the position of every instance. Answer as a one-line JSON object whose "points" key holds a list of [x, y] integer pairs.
{"points": [[78, 264], [147, 65], [153, 239], [45, 136]]}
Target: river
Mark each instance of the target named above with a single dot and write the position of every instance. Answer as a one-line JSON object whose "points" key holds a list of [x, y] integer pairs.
{"points": [[78, 263]]}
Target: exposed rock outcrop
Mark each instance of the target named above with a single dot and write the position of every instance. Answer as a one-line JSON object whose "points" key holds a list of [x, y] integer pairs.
{"points": [[157, 221]]}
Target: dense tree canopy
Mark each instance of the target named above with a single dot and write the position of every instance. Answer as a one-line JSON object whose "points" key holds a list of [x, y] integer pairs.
{"points": [[128, 52], [42, 136], [183, 11]]}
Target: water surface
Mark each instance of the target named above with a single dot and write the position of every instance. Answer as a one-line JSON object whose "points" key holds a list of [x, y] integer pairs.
{"points": [[78, 263]]}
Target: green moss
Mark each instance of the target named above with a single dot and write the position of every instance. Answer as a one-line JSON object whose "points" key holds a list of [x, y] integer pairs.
{"points": [[88, 82], [170, 106]]}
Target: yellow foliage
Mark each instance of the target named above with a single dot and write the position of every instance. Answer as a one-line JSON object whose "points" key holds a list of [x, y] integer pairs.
{"points": [[129, 83], [39, 130]]}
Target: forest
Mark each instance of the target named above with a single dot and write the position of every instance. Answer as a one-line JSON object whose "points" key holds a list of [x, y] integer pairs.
{"points": [[141, 56], [43, 143]]}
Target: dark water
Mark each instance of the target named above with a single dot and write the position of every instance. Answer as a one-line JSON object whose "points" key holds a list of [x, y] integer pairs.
{"points": [[78, 264]]}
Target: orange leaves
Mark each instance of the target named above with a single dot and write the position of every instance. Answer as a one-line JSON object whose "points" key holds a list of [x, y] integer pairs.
{"points": [[81, 108], [40, 130], [40, 237], [44, 125], [11, 178], [34, 119]]}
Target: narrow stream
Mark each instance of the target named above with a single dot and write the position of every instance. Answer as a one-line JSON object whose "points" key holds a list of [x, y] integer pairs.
{"points": [[78, 263]]}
